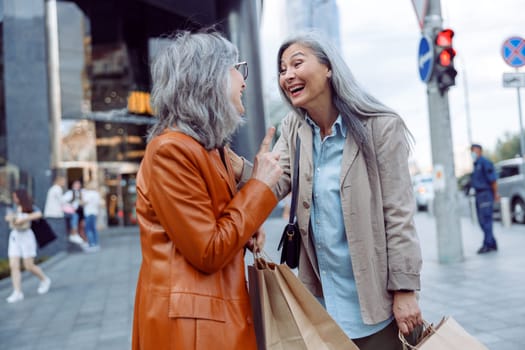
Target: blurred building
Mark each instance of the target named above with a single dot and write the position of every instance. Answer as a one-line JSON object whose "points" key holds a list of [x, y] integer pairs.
{"points": [[75, 82], [280, 20], [319, 14]]}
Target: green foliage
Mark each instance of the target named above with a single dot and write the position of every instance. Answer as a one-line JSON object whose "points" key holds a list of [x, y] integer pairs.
{"points": [[4, 266], [507, 147]]}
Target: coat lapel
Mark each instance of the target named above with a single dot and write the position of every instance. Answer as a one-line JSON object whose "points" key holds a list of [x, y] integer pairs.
{"points": [[349, 154], [306, 158]]}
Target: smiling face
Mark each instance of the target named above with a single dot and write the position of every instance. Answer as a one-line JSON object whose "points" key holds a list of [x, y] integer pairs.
{"points": [[237, 87], [303, 79]]}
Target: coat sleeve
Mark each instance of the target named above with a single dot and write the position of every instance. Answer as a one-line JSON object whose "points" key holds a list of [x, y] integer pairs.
{"points": [[404, 253], [207, 237], [282, 147]]}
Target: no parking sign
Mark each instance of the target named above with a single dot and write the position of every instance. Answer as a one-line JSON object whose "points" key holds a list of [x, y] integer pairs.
{"points": [[513, 51]]}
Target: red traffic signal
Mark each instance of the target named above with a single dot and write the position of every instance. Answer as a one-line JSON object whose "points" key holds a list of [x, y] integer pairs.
{"points": [[444, 38], [444, 54], [444, 47]]}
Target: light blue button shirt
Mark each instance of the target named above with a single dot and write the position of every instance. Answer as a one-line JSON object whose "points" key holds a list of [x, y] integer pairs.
{"points": [[329, 236]]}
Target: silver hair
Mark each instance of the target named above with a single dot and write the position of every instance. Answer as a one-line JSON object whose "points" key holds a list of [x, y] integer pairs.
{"points": [[191, 84], [353, 103]]}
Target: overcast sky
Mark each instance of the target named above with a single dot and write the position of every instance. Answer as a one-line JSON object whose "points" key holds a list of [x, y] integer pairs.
{"points": [[380, 40]]}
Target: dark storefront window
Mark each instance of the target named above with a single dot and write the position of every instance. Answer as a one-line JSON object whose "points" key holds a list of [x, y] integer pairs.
{"points": [[120, 142]]}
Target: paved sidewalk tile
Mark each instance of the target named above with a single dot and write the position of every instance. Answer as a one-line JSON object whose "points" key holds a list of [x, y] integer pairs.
{"points": [[90, 303]]}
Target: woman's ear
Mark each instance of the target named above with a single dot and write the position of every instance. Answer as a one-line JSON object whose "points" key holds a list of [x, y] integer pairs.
{"points": [[329, 74]]}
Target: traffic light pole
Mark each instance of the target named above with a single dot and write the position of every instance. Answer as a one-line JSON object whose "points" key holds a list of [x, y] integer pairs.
{"points": [[448, 225]]}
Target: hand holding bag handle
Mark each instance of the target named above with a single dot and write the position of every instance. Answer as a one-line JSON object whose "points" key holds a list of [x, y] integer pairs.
{"points": [[291, 238], [447, 334]]}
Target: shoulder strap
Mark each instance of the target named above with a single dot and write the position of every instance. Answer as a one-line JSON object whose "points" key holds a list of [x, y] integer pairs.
{"points": [[295, 180]]}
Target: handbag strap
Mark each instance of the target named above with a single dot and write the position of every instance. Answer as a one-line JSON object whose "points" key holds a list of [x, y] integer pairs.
{"points": [[295, 180]]}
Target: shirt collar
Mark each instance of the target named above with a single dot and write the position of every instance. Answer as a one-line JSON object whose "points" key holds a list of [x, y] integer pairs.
{"points": [[337, 128]]}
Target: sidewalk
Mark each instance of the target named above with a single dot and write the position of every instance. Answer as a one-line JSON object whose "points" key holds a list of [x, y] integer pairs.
{"points": [[90, 304]]}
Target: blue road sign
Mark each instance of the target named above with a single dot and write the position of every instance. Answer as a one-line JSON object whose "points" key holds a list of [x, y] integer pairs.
{"points": [[513, 51], [425, 58]]}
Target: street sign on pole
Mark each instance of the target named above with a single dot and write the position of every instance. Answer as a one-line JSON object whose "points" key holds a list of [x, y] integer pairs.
{"points": [[425, 58], [513, 51], [514, 80], [421, 7]]}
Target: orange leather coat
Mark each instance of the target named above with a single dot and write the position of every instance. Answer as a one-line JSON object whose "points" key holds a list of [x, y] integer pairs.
{"points": [[191, 291]]}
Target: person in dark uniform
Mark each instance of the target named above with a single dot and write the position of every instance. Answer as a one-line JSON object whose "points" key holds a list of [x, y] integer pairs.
{"points": [[483, 180]]}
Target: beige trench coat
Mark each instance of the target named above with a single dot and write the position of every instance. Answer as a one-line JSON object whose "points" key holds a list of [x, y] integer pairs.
{"points": [[378, 211]]}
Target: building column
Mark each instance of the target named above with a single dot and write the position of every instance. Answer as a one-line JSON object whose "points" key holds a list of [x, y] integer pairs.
{"points": [[26, 92], [242, 26]]}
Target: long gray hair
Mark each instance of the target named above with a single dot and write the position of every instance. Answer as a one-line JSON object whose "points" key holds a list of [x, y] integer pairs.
{"points": [[353, 103], [191, 84]]}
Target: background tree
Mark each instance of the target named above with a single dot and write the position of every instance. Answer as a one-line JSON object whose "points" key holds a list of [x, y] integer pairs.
{"points": [[507, 147]]}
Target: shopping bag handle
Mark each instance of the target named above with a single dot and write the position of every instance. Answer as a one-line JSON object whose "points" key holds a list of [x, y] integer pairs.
{"points": [[261, 259], [427, 329]]}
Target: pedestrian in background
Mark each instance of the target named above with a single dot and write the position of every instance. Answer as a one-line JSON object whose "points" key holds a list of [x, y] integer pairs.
{"points": [[360, 254], [483, 181], [74, 212], [194, 222], [22, 244], [91, 199], [53, 209], [53, 206]]}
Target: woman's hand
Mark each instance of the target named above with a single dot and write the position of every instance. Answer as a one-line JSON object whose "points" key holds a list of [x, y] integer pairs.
{"points": [[256, 242], [266, 166], [406, 311]]}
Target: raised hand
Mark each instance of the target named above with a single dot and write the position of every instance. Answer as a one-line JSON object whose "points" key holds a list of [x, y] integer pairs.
{"points": [[266, 166]]}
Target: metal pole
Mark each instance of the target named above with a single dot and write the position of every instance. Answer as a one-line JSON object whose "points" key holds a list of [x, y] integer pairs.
{"points": [[243, 29], [522, 135], [448, 225], [467, 103], [53, 66]]}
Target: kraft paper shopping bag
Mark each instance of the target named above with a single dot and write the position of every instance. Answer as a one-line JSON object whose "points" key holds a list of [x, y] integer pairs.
{"points": [[448, 334], [287, 316]]}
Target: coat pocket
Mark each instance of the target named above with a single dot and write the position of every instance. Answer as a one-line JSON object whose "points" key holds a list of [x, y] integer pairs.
{"points": [[185, 305]]}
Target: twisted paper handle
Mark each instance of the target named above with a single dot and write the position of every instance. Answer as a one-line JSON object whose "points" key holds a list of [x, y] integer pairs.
{"points": [[428, 328]]}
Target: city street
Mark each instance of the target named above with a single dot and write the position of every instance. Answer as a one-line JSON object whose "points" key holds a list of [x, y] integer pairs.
{"points": [[90, 304]]}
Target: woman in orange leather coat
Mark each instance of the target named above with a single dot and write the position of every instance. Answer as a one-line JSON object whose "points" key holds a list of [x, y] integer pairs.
{"points": [[194, 221]]}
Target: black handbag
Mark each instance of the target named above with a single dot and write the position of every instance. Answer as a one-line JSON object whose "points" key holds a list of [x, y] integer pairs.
{"points": [[44, 234], [291, 239]]}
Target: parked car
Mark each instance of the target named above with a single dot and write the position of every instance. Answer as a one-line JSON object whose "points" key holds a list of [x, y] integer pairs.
{"points": [[511, 184], [423, 190]]}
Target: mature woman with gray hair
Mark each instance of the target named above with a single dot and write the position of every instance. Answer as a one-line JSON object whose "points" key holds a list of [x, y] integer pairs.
{"points": [[360, 254], [194, 222]]}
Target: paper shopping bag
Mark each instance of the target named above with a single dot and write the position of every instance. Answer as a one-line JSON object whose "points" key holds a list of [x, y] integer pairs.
{"points": [[448, 334], [275, 327], [318, 328], [287, 316]]}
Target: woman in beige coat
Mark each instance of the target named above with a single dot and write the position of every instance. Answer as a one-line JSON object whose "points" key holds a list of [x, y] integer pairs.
{"points": [[360, 253]]}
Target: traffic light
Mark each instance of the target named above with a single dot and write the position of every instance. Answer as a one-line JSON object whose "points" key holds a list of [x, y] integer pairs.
{"points": [[444, 53]]}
